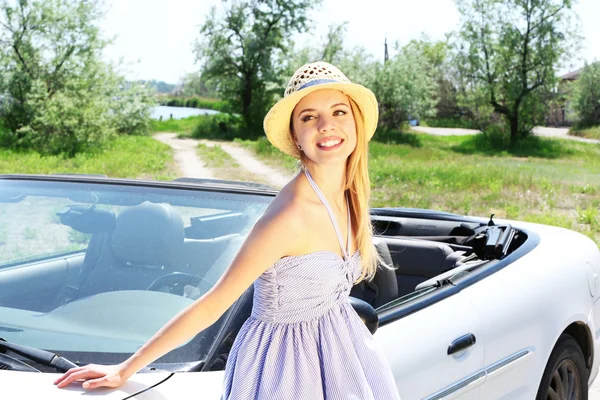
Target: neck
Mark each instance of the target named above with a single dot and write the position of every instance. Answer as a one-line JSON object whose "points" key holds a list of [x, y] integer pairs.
{"points": [[331, 180]]}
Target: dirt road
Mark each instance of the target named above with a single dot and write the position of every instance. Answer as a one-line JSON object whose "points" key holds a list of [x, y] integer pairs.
{"points": [[191, 165]]}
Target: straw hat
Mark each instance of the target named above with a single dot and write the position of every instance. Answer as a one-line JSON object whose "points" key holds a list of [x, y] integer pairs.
{"points": [[307, 79]]}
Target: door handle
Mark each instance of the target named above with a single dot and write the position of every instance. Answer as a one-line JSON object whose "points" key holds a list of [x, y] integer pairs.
{"points": [[461, 343]]}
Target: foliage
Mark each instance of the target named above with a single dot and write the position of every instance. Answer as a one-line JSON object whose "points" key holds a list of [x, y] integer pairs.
{"points": [[220, 126], [195, 84], [58, 96], [436, 55], [196, 102], [238, 48], [404, 88], [130, 112], [586, 95], [592, 132], [508, 50], [356, 63]]}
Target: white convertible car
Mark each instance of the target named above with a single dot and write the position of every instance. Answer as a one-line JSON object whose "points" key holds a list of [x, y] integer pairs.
{"points": [[91, 267]]}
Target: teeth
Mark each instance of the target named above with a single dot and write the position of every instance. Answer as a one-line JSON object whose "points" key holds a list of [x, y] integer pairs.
{"points": [[329, 143]]}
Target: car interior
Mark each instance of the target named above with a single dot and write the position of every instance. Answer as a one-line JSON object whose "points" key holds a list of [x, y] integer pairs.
{"points": [[152, 246], [147, 247]]}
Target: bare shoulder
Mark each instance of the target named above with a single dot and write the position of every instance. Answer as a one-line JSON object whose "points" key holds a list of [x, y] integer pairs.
{"points": [[285, 221]]}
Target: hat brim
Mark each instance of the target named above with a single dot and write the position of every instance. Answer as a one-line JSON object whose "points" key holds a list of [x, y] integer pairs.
{"points": [[277, 121]]}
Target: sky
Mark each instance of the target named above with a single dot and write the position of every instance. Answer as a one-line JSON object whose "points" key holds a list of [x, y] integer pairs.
{"points": [[154, 40]]}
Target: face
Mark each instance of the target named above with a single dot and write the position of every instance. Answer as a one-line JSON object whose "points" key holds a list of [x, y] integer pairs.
{"points": [[323, 124]]}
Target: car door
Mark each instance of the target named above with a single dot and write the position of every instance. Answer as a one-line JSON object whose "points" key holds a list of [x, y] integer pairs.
{"points": [[523, 309], [437, 350]]}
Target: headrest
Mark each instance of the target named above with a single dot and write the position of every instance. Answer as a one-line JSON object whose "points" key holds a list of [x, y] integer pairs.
{"points": [[148, 234], [84, 219], [419, 257]]}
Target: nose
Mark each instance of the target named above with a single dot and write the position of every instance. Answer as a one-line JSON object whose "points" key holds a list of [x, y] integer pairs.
{"points": [[326, 123]]}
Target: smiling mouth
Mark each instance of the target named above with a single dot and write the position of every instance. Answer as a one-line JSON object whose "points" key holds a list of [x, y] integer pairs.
{"points": [[326, 144]]}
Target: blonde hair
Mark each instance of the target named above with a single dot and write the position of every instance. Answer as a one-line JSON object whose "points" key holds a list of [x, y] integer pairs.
{"points": [[358, 187]]}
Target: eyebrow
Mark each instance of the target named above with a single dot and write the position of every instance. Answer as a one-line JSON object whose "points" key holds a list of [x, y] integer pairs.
{"points": [[333, 106]]}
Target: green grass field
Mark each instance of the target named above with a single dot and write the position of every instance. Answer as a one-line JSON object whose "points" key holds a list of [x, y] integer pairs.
{"points": [[545, 180], [126, 156], [550, 181]]}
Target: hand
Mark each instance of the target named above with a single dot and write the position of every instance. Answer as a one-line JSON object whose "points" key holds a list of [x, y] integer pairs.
{"points": [[94, 376]]}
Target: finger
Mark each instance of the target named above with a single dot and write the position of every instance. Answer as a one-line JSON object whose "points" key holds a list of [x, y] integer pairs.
{"points": [[67, 374], [84, 374], [95, 383]]}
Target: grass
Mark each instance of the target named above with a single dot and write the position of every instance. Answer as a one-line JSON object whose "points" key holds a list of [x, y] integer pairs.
{"points": [[183, 127], [589, 133], [269, 154], [545, 180], [125, 157], [224, 166]]}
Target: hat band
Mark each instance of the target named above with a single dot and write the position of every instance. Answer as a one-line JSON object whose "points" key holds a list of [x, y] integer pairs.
{"points": [[316, 82]]}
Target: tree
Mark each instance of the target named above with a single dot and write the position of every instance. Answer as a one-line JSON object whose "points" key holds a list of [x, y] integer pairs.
{"points": [[58, 96], [586, 95], [238, 48], [510, 50], [404, 87], [354, 62], [437, 57], [196, 84]]}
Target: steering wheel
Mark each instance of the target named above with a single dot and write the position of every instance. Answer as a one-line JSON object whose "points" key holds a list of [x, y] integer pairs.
{"points": [[174, 283]]}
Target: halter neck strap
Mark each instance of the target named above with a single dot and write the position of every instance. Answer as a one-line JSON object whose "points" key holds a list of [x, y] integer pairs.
{"points": [[345, 249]]}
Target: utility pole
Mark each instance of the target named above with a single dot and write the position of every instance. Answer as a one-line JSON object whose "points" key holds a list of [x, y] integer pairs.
{"points": [[386, 55]]}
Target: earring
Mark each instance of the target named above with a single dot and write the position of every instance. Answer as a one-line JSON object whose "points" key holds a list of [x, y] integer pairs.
{"points": [[299, 147]]}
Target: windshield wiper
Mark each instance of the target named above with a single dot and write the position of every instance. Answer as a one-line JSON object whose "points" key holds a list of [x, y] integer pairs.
{"points": [[40, 356]]}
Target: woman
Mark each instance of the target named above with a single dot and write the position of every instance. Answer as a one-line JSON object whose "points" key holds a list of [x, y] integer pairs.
{"points": [[303, 339]]}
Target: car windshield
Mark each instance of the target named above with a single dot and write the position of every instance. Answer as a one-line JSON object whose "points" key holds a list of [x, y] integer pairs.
{"points": [[92, 270]]}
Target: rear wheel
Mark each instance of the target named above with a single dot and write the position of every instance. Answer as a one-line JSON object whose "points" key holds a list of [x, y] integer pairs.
{"points": [[565, 376]]}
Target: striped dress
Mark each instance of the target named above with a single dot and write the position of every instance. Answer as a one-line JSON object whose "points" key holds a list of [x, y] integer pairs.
{"points": [[303, 339]]}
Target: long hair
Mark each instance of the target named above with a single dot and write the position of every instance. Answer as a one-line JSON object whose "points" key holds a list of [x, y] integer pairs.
{"points": [[358, 187]]}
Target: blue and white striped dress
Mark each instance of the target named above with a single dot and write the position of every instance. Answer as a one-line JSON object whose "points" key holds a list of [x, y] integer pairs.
{"points": [[304, 340]]}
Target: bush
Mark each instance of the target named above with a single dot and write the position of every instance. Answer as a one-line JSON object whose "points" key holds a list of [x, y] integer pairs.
{"points": [[58, 96], [131, 111], [197, 102], [496, 136], [66, 123], [586, 96], [219, 126]]}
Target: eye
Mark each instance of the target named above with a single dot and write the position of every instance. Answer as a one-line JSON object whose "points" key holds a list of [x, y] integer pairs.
{"points": [[307, 118], [339, 112]]}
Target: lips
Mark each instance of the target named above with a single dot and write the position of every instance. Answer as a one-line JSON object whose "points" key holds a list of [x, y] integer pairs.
{"points": [[330, 142]]}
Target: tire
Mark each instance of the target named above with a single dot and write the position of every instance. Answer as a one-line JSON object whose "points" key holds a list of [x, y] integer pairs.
{"points": [[566, 360]]}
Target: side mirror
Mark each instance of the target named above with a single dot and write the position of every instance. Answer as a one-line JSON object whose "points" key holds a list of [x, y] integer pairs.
{"points": [[366, 312]]}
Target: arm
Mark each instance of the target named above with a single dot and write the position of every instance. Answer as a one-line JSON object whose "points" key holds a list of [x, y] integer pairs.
{"points": [[274, 235]]}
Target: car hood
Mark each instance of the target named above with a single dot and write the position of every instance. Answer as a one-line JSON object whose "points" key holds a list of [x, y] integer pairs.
{"points": [[114, 322], [30, 385]]}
